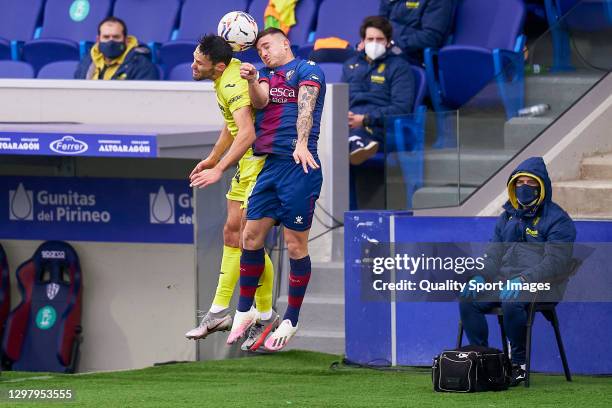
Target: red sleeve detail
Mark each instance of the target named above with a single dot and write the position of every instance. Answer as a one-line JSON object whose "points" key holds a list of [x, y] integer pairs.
{"points": [[310, 83]]}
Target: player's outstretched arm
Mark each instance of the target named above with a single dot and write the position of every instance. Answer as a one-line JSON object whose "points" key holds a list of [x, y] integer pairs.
{"points": [[307, 99], [258, 91], [244, 139], [223, 143]]}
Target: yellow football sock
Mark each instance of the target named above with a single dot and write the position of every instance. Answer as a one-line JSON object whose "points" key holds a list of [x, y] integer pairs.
{"points": [[263, 296], [230, 272]]}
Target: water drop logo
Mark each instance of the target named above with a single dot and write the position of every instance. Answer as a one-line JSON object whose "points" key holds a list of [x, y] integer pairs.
{"points": [[161, 207], [79, 10], [21, 207], [68, 145], [45, 318]]}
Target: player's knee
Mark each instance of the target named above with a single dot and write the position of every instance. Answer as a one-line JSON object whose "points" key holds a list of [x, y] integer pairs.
{"points": [[231, 234], [251, 239], [296, 247]]}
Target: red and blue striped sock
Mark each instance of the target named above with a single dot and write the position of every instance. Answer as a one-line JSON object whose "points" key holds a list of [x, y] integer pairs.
{"points": [[251, 268], [298, 282]]}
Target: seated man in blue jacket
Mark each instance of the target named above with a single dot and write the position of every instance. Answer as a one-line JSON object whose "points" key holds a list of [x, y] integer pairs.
{"points": [[380, 84], [116, 55], [418, 24], [532, 243]]}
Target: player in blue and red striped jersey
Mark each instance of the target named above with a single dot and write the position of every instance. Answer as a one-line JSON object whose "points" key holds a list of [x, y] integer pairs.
{"points": [[288, 94]]}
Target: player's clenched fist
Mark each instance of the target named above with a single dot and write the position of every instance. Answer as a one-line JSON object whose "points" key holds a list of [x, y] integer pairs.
{"points": [[248, 72]]}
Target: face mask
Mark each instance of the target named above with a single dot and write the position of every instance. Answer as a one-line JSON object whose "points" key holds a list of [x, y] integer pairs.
{"points": [[112, 49], [374, 50], [527, 195]]}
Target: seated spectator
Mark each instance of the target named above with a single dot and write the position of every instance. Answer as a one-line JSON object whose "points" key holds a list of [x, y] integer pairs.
{"points": [[418, 24], [116, 55], [532, 242], [380, 84]]}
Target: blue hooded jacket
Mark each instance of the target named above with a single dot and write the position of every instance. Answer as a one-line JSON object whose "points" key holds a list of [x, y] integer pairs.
{"points": [[134, 64], [535, 243], [418, 24], [379, 88]]}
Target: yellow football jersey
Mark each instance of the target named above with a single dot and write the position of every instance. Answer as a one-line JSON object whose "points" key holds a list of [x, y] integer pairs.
{"points": [[232, 94]]}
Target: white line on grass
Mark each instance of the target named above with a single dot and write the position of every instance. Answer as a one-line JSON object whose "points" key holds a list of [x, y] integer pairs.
{"points": [[40, 377]]}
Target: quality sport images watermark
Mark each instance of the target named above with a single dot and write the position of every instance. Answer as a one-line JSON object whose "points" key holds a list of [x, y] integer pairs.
{"points": [[543, 272], [459, 265]]}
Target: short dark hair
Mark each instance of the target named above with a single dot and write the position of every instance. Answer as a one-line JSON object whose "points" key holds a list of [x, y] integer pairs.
{"points": [[216, 49], [112, 19], [377, 22], [268, 31]]}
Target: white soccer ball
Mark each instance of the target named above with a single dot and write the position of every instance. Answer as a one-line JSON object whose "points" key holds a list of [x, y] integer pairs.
{"points": [[239, 29]]}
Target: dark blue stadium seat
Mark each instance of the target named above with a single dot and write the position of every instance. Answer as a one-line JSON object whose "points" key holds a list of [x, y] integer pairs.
{"points": [[197, 18], [66, 27], [180, 72], [333, 71], [43, 331], [157, 27], [5, 49], [257, 9], [15, 69], [487, 44], [5, 290], [58, 70], [337, 18], [18, 20], [305, 17]]}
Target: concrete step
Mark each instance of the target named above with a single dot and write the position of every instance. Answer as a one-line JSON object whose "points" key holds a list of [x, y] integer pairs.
{"points": [[326, 279], [481, 128], [318, 312], [469, 167], [559, 90], [433, 197], [323, 341], [518, 132], [594, 216], [597, 167], [584, 196]]}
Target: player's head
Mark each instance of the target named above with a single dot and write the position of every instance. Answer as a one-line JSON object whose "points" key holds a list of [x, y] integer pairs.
{"points": [[273, 47], [112, 37], [376, 33], [210, 58]]}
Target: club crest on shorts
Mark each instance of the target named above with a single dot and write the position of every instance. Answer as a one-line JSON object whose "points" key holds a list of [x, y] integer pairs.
{"points": [[52, 290], [299, 220]]}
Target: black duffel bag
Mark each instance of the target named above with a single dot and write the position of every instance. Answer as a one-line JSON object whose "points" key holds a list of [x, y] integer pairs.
{"points": [[471, 369]]}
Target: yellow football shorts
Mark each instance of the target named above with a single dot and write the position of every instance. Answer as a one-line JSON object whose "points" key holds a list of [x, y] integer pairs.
{"points": [[247, 170]]}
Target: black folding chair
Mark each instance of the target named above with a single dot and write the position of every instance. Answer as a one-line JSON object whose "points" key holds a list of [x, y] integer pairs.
{"points": [[549, 311]]}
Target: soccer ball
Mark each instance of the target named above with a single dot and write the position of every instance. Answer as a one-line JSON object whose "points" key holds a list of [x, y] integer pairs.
{"points": [[239, 29]]}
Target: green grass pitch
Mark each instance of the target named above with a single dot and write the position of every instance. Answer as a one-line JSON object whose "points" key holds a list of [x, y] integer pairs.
{"points": [[293, 379]]}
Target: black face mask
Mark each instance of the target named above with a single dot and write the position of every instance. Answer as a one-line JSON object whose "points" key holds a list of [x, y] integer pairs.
{"points": [[112, 49], [527, 195]]}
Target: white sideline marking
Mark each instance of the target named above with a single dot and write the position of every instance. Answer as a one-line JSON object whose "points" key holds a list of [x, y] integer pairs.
{"points": [[40, 377]]}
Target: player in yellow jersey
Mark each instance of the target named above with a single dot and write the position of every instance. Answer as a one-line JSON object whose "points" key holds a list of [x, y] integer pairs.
{"points": [[213, 60]]}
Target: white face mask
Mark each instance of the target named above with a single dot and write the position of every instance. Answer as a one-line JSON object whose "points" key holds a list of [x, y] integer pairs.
{"points": [[374, 49]]}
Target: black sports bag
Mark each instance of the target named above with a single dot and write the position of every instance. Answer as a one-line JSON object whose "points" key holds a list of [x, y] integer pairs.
{"points": [[471, 369]]}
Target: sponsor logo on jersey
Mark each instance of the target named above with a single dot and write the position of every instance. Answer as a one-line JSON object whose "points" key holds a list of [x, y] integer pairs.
{"points": [[283, 94]]}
